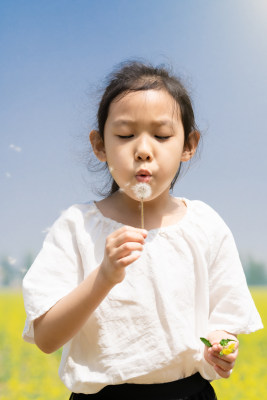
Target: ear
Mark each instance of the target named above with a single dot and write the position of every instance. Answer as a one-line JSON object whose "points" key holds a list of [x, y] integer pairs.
{"points": [[190, 146], [98, 145]]}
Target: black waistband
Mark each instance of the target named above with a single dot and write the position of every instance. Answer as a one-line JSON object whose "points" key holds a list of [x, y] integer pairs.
{"points": [[172, 390]]}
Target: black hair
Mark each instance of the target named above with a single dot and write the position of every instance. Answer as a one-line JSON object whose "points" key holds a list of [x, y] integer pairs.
{"points": [[135, 76]]}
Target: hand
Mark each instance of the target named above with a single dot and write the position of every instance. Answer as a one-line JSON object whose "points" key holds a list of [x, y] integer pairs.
{"points": [[224, 364], [123, 247]]}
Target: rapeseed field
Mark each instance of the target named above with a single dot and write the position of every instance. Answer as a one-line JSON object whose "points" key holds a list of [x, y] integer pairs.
{"points": [[26, 373]]}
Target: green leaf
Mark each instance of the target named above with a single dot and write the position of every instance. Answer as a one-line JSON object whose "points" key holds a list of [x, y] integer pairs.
{"points": [[224, 342], [206, 342]]}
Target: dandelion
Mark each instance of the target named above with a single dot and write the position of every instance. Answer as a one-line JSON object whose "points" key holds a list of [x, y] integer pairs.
{"points": [[142, 191], [8, 175]]}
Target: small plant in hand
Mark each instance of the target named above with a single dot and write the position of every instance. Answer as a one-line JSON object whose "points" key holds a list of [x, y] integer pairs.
{"points": [[227, 349], [142, 191]]}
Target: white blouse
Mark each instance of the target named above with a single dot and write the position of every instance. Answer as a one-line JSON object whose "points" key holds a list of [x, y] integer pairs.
{"points": [[188, 281]]}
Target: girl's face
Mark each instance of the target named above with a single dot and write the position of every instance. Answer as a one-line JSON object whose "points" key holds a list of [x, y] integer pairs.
{"points": [[143, 141]]}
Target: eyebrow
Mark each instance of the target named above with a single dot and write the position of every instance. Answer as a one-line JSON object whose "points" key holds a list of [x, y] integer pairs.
{"points": [[164, 122]]}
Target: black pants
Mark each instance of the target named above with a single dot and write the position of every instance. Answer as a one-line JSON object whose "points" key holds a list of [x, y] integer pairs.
{"points": [[192, 388]]}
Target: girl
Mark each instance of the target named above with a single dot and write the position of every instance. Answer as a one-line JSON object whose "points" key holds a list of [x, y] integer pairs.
{"points": [[129, 305]]}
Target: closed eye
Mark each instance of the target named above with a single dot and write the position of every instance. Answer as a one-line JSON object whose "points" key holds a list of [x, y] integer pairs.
{"points": [[156, 136], [162, 137], [125, 136]]}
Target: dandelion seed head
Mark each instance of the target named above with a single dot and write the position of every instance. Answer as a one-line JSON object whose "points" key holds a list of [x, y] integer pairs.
{"points": [[8, 175], [142, 190]]}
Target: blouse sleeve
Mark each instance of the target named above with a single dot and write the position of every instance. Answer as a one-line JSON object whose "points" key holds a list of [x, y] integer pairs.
{"points": [[55, 272], [232, 308]]}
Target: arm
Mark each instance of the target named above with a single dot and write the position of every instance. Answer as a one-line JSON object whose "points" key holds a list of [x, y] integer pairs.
{"points": [[68, 315], [223, 365]]}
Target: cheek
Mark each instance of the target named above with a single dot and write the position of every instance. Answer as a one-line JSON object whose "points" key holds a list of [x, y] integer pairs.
{"points": [[172, 157], [119, 155], [117, 169]]}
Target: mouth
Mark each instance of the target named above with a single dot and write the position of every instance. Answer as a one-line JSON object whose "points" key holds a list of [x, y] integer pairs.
{"points": [[143, 175]]}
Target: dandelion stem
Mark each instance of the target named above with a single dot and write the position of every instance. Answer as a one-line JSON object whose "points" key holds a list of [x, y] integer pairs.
{"points": [[142, 191], [142, 214]]}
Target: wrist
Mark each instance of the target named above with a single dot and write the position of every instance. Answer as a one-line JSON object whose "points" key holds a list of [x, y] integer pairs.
{"points": [[105, 279]]}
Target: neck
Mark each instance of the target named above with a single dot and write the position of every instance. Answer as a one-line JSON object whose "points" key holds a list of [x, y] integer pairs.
{"points": [[163, 211], [155, 205], [153, 210]]}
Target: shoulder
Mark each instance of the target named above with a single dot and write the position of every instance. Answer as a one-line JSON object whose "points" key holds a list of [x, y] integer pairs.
{"points": [[205, 212], [207, 219], [76, 211], [72, 217], [209, 226]]}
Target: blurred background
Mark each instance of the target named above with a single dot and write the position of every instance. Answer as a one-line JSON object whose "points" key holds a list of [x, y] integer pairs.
{"points": [[55, 56]]}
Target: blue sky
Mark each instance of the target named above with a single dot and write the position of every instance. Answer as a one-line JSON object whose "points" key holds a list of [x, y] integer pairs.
{"points": [[54, 57]]}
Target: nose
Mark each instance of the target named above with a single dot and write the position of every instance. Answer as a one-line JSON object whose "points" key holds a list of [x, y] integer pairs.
{"points": [[143, 150]]}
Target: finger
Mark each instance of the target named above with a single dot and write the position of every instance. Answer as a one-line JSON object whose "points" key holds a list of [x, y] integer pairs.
{"points": [[129, 228], [222, 363], [127, 248], [120, 236], [222, 373], [126, 261], [128, 236], [229, 357], [215, 350]]}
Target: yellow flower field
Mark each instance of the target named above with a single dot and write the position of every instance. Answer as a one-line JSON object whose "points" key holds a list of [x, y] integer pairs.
{"points": [[26, 373], [248, 380]]}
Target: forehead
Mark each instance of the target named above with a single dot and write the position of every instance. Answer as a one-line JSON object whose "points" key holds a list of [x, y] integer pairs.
{"points": [[144, 105]]}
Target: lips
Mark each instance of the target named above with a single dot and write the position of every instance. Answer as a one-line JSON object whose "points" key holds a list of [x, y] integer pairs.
{"points": [[143, 175]]}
